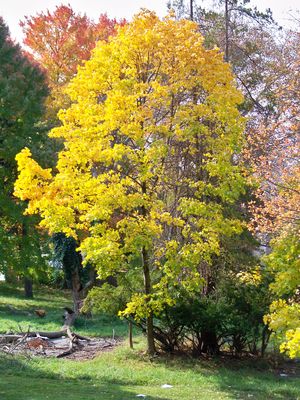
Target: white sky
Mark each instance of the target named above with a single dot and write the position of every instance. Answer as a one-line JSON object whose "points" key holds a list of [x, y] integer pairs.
{"points": [[14, 10]]}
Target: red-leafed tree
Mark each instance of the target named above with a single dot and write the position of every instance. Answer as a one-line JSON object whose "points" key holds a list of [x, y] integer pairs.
{"points": [[106, 27], [274, 146], [60, 41]]}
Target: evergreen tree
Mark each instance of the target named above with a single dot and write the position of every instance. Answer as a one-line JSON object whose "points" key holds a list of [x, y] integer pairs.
{"points": [[22, 92]]}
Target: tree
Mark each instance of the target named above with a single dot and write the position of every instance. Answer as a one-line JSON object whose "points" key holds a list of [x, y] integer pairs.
{"points": [[231, 7], [274, 150], [69, 260], [275, 163], [223, 20], [22, 94], [284, 315], [147, 170], [267, 68], [246, 36], [60, 42]]}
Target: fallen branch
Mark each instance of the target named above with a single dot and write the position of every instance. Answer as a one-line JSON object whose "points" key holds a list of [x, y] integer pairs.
{"points": [[57, 344], [72, 339], [19, 342], [9, 338], [49, 335]]}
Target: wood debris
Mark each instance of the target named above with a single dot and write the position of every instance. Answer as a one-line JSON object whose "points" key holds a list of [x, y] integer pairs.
{"points": [[64, 343]]}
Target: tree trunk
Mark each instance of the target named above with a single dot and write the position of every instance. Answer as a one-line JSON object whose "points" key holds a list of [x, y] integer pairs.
{"points": [[192, 10], [76, 287], [28, 288], [69, 317], [150, 334], [149, 319], [265, 340], [226, 31], [147, 287], [28, 292], [130, 334], [209, 342]]}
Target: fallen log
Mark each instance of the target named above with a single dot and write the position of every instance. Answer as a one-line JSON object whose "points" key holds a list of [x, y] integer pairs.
{"points": [[48, 335], [69, 345], [82, 337], [45, 343], [9, 338]]}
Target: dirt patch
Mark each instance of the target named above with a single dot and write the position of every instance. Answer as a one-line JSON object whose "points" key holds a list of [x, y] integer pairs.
{"points": [[93, 348]]}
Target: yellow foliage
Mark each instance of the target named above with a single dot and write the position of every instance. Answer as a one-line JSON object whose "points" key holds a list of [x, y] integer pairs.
{"points": [[284, 320], [284, 317], [252, 277], [148, 140]]}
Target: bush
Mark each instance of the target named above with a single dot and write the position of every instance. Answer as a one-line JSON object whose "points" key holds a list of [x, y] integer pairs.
{"points": [[229, 319]]}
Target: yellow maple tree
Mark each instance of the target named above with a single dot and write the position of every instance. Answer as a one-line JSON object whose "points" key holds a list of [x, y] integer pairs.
{"points": [[149, 160]]}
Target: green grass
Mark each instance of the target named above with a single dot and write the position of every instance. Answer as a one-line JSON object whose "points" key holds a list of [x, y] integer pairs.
{"points": [[53, 302], [123, 373]]}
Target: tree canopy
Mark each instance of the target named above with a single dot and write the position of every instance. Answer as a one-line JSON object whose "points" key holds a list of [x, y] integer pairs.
{"points": [[149, 160], [61, 41]]}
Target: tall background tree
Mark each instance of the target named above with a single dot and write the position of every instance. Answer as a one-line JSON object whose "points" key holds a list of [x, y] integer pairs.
{"points": [[60, 41], [266, 63], [246, 37], [22, 93], [274, 153], [258, 54]]}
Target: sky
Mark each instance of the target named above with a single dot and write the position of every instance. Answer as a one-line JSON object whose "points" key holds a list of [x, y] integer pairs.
{"points": [[14, 10]]}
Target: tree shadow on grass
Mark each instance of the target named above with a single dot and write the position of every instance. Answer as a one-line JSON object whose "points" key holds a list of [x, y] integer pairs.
{"points": [[247, 384], [41, 295], [19, 381], [240, 379], [11, 290]]}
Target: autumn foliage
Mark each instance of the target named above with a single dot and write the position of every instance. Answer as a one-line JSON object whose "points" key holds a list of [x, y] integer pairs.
{"points": [[146, 174], [274, 147], [61, 41]]}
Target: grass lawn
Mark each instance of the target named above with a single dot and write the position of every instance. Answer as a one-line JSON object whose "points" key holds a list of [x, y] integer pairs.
{"points": [[122, 374], [53, 302]]}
